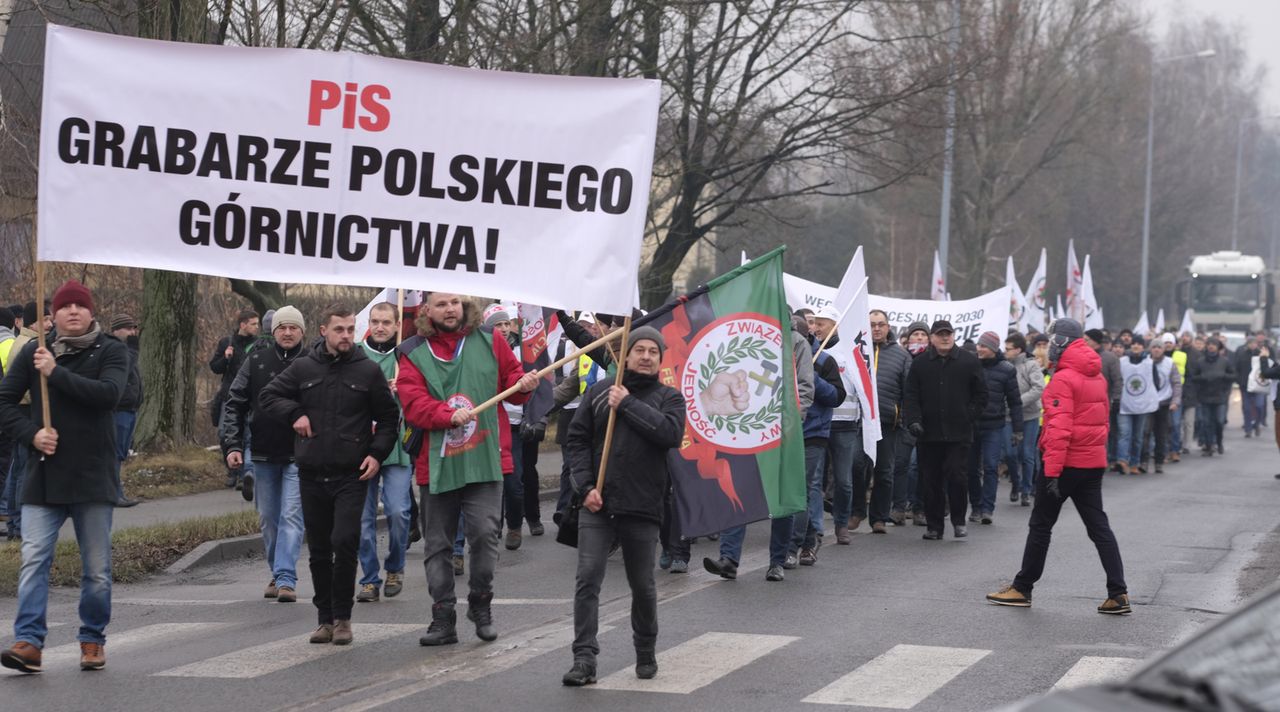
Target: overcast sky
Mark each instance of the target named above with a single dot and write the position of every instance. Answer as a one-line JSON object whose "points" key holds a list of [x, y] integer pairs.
{"points": [[1260, 20]]}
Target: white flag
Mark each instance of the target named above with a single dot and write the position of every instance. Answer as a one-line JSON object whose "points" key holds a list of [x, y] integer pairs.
{"points": [[1160, 321], [853, 353], [1075, 285], [1188, 326], [938, 292], [1017, 299], [1143, 326], [1092, 311], [1035, 300]]}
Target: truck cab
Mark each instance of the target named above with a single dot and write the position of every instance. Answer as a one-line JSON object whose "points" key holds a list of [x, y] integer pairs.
{"points": [[1228, 291]]}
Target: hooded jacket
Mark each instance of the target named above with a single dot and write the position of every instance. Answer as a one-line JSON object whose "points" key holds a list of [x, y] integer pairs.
{"points": [[1004, 399], [1030, 385], [1077, 412], [272, 438]]}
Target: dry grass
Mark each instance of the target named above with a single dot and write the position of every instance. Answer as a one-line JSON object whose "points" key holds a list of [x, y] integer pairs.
{"points": [[135, 553], [188, 470]]}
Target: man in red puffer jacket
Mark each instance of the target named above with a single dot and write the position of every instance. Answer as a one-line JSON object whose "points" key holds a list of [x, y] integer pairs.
{"points": [[1077, 411]]}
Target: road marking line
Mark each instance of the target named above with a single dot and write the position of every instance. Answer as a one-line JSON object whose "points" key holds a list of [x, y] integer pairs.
{"points": [[532, 601], [282, 654], [170, 602], [900, 678], [1094, 670], [131, 639], [696, 663]]}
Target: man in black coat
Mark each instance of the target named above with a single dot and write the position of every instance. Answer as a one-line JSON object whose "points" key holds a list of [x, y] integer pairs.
{"points": [[650, 422], [227, 358], [346, 422], [946, 394], [124, 329], [1004, 406], [71, 470]]}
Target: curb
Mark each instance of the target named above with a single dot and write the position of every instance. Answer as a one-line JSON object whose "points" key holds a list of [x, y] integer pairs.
{"points": [[244, 547]]}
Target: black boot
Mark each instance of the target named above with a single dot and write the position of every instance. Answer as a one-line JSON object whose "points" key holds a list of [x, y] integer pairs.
{"points": [[646, 665], [444, 626], [580, 674], [480, 613]]}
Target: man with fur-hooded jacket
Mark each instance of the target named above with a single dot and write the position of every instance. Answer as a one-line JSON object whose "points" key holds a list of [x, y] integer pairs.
{"points": [[451, 367]]}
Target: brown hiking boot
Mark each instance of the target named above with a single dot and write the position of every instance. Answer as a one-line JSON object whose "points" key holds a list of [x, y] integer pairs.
{"points": [[842, 535], [1116, 606], [323, 634], [879, 528], [92, 656], [854, 522], [22, 656], [513, 539], [287, 595], [342, 632], [271, 591]]}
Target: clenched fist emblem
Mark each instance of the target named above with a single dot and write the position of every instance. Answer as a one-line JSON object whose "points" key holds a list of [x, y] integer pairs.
{"points": [[728, 394]]}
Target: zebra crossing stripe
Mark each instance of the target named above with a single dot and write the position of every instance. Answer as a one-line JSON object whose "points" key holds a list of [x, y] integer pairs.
{"points": [[699, 662], [144, 636], [283, 654], [1095, 670], [900, 678]]}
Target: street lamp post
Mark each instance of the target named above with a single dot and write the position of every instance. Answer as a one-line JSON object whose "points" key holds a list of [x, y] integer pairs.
{"points": [[1235, 200], [1146, 206]]}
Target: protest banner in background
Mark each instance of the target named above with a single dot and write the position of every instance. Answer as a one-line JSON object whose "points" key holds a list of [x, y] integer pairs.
{"points": [[969, 317], [337, 168]]}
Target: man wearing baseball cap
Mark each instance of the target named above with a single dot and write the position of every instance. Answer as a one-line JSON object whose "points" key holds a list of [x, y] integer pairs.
{"points": [[946, 394]]}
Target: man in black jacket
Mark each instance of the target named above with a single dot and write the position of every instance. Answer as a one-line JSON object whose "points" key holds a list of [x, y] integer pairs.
{"points": [[228, 356], [274, 478], [650, 422], [892, 362], [71, 472], [345, 418], [1003, 406], [124, 329], [946, 394]]}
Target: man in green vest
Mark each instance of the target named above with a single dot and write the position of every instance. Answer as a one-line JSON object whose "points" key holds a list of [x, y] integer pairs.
{"points": [[446, 371], [379, 346]]}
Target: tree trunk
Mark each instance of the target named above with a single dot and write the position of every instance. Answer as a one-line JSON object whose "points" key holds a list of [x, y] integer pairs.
{"points": [[262, 295], [169, 360]]}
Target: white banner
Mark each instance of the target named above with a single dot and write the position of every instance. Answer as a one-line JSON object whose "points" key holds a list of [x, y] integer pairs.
{"points": [[337, 168], [969, 317]]}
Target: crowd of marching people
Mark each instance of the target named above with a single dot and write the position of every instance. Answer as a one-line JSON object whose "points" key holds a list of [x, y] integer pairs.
{"points": [[323, 428]]}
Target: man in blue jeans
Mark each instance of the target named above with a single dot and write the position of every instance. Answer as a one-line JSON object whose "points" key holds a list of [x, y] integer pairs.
{"points": [[76, 478], [395, 477], [828, 392], [1004, 405], [275, 475], [845, 444], [124, 329]]}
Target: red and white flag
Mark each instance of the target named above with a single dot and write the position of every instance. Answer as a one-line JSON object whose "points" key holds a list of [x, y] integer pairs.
{"points": [[853, 352], [937, 292], [1075, 285]]}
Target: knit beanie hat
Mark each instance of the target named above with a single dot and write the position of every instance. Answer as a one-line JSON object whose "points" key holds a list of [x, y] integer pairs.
{"points": [[495, 313], [123, 321], [647, 333], [287, 315], [72, 292], [266, 321], [917, 326], [990, 340]]}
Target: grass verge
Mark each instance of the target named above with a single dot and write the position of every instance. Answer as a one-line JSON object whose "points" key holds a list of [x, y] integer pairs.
{"points": [[135, 553], [188, 470]]}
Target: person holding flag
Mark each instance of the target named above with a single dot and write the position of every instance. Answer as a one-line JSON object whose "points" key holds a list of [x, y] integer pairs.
{"points": [[448, 369], [844, 444], [628, 509]]}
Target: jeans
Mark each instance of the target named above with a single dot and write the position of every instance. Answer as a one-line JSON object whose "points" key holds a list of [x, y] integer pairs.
{"points": [[806, 529], [1255, 408], [279, 502], [845, 448], [984, 475], [396, 482], [331, 511], [481, 502], [904, 476], [1084, 488], [1155, 442], [1212, 416], [1029, 454], [513, 489], [943, 482], [779, 541], [1129, 444], [13, 488], [1113, 433], [638, 537], [1175, 431], [125, 422], [92, 523], [882, 477]]}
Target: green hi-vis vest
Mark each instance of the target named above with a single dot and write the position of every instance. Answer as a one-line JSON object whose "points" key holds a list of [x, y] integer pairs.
{"points": [[387, 362], [469, 454]]}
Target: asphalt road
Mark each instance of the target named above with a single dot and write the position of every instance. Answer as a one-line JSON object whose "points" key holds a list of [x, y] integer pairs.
{"points": [[890, 622]]}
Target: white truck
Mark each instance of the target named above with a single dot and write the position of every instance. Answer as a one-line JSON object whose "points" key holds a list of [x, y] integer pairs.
{"points": [[1228, 291]]}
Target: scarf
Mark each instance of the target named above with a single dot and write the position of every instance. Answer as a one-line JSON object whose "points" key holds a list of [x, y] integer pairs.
{"points": [[638, 381], [67, 345]]}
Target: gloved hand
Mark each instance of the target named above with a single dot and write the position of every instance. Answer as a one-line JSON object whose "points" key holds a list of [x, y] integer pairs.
{"points": [[1052, 488], [533, 432], [915, 429], [1017, 439]]}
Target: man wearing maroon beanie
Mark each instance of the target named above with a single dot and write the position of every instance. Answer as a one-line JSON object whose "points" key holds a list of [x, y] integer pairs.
{"points": [[71, 469]]}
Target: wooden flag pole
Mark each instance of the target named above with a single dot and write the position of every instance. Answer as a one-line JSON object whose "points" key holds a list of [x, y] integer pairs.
{"points": [[399, 326], [606, 339], [47, 419], [613, 412]]}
